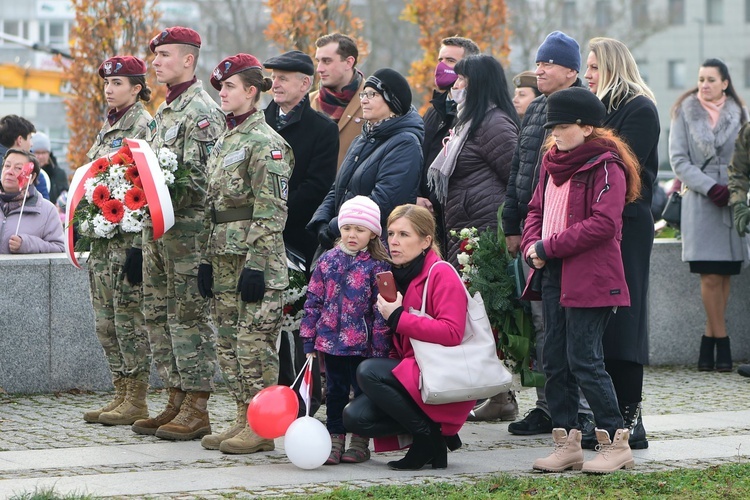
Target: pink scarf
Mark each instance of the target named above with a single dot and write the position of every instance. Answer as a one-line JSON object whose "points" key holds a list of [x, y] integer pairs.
{"points": [[713, 108]]}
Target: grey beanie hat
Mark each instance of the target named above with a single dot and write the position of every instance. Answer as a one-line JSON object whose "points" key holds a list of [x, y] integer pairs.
{"points": [[40, 142]]}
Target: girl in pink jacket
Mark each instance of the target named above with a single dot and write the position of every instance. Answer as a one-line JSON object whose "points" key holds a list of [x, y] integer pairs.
{"points": [[572, 240]]}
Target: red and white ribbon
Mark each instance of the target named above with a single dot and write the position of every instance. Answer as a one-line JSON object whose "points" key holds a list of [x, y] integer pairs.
{"points": [[158, 199]]}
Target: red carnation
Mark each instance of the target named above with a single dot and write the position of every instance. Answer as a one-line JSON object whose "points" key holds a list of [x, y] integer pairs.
{"points": [[131, 173], [463, 245], [101, 195], [113, 211], [122, 159], [135, 198], [100, 166]]}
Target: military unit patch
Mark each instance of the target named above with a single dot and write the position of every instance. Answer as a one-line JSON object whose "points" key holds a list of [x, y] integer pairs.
{"points": [[152, 125], [117, 143], [283, 188], [203, 123], [276, 154]]}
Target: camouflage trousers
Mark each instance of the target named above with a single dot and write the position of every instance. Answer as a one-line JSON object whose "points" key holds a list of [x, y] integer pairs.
{"points": [[247, 332], [117, 311], [182, 340]]}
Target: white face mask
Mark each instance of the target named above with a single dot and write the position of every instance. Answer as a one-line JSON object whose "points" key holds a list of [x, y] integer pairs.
{"points": [[458, 95]]}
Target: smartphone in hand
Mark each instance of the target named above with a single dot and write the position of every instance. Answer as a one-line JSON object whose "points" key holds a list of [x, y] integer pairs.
{"points": [[386, 285]]}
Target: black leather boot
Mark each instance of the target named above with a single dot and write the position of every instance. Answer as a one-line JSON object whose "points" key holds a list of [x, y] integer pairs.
{"points": [[706, 356], [426, 449], [723, 355], [631, 416]]}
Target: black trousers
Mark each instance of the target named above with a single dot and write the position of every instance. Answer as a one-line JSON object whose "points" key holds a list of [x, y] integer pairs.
{"points": [[384, 408]]}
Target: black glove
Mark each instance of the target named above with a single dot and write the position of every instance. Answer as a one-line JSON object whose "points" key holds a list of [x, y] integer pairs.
{"points": [[205, 280], [325, 237], [132, 269], [252, 285]]}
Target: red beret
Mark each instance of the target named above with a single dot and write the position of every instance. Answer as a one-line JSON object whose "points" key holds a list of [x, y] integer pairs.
{"points": [[176, 34], [122, 66], [231, 66]]}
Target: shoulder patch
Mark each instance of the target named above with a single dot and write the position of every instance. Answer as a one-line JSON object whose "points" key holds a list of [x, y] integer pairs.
{"points": [[152, 125], [117, 143], [203, 122], [283, 188], [276, 154]]}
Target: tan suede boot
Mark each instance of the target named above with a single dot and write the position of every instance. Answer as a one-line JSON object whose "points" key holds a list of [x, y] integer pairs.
{"points": [[358, 451], [500, 407], [150, 425], [192, 422], [246, 442], [213, 441], [120, 390], [133, 408], [567, 454], [613, 455]]}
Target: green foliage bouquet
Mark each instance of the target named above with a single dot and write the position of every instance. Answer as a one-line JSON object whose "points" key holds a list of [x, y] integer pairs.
{"points": [[487, 267]]}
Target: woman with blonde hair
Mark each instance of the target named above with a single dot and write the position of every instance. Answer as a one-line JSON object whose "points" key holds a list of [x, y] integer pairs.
{"points": [[613, 76]]}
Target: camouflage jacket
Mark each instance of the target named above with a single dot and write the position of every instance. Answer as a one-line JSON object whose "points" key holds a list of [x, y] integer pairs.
{"points": [[739, 168], [188, 126], [132, 125], [248, 178]]}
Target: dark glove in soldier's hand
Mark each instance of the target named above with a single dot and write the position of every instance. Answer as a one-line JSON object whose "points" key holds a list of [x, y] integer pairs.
{"points": [[132, 269], [205, 280], [252, 285], [741, 218], [325, 237]]}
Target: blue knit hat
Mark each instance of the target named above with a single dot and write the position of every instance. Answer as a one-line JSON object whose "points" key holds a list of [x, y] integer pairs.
{"points": [[559, 48]]}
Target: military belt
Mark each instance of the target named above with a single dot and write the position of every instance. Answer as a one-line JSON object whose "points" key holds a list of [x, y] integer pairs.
{"points": [[231, 215]]}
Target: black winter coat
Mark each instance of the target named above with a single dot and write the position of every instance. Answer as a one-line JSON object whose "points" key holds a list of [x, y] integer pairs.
{"points": [[384, 164], [57, 177], [524, 170], [626, 335], [314, 139], [479, 181]]}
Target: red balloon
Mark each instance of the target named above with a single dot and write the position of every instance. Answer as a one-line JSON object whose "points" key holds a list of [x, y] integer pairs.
{"points": [[272, 411]]}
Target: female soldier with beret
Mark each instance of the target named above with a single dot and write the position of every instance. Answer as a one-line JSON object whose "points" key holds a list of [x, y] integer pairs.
{"points": [[243, 265], [116, 300]]}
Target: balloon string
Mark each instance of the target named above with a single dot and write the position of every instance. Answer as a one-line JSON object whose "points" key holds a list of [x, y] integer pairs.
{"points": [[23, 203], [308, 361]]}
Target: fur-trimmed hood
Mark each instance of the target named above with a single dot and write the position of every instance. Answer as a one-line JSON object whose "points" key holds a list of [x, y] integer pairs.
{"points": [[708, 139]]}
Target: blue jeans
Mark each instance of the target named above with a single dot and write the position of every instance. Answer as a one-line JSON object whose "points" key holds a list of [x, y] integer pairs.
{"points": [[341, 377], [574, 357]]}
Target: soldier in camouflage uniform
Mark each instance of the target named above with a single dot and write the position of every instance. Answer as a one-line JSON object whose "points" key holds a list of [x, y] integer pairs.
{"points": [[116, 300], [182, 341], [243, 264], [738, 171]]}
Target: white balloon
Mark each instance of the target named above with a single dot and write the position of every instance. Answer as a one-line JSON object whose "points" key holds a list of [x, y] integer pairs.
{"points": [[307, 443]]}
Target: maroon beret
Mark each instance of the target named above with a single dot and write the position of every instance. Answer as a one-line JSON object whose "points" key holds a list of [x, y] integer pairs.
{"points": [[231, 66], [176, 34], [122, 66]]}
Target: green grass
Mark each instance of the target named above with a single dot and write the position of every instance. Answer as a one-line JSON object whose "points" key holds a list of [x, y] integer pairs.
{"points": [[50, 494], [720, 482]]}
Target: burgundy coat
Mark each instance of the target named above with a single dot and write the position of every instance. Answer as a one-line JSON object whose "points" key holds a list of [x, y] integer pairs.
{"points": [[592, 271], [446, 303]]}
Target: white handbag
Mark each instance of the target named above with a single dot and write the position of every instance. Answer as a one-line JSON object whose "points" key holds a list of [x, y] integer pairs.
{"points": [[464, 372]]}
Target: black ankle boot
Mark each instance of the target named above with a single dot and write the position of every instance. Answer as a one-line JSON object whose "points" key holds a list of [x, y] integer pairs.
{"points": [[453, 442], [631, 416], [426, 449], [706, 356], [723, 355]]}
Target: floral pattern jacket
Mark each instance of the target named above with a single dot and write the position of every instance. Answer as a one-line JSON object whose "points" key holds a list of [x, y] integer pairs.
{"points": [[340, 315]]}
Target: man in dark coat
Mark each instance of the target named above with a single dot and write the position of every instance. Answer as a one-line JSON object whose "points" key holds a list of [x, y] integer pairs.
{"points": [[314, 139], [558, 60], [439, 118]]}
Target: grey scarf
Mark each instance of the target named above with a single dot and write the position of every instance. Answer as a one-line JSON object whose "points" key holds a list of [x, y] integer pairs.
{"points": [[439, 174]]}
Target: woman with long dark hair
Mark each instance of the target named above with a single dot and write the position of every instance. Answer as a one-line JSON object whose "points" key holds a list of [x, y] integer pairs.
{"points": [[705, 124], [470, 175]]}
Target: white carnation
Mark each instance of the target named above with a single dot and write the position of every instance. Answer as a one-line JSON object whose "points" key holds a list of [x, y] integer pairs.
{"points": [[464, 258], [102, 227]]}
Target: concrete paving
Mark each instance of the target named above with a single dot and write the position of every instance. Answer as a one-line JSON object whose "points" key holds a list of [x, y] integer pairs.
{"points": [[693, 420]]}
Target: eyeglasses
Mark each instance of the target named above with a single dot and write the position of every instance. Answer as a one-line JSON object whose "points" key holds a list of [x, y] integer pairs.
{"points": [[369, 94]]}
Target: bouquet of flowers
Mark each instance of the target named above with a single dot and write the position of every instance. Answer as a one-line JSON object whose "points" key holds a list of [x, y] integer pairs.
{"points": [[485, 263], [294, 301], [114, 201]]}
